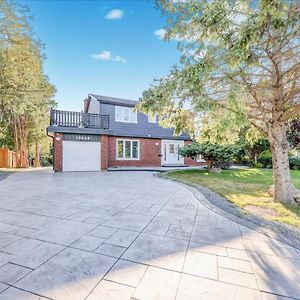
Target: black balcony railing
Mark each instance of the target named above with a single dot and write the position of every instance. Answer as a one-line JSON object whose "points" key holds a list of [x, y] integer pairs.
{"points": [[78, 119]]}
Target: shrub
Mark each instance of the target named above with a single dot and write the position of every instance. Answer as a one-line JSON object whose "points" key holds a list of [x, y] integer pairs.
{"points": [[294, 163], [258, 165], [265, 159], [254, 149], [216, 155]]}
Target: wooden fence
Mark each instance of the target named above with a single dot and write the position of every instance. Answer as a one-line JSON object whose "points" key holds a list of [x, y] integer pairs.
{"points": [[8, 159]]}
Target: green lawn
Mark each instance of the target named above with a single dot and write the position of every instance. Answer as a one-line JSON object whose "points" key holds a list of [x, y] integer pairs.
{"points": [[246, 188]]}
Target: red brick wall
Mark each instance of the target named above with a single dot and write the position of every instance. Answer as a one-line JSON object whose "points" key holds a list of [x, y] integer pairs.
{"points": [[150, 150], [104, 152], [57, 155], [192, 162]]}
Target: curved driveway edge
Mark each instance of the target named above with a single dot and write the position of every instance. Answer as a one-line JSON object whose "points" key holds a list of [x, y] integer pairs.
{"points": [[224, 207], [131, 236]]}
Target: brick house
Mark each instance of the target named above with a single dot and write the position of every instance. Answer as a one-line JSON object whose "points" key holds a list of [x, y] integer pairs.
{"points": [[110, 133]]}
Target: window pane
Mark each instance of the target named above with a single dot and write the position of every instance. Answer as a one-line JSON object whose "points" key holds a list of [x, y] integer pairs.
{"points": [[171, 149], [118, 113], [127, 149], [132, 115], [135, 149], [120, 149], [126, 114]]}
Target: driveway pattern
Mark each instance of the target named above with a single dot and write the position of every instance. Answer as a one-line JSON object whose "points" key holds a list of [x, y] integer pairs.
{"points": [[130, 235]]}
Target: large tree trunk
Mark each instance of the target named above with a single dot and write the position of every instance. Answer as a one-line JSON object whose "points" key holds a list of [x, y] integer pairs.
{"points": [[255, 158], [23, 143], [284, 191]]}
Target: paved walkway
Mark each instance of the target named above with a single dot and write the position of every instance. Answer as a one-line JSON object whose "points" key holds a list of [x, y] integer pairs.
{"points": [[129, 235], [154, 169]]}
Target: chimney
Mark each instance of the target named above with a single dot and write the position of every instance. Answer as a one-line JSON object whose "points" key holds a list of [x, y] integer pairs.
{"points": [[86, 104]]}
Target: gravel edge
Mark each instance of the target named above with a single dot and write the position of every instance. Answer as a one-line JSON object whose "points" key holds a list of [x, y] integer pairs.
{"points": [[222, 206]]}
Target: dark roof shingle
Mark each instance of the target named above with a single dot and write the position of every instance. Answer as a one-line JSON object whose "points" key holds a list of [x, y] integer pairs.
{"points": [[113, 100]]}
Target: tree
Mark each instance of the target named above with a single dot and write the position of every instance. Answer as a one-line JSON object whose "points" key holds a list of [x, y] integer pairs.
{"points": [[26, 94], [252, 143], [253, 150], [240, 56]]}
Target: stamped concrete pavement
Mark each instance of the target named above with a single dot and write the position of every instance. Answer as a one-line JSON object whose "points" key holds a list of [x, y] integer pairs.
{"points": [[130, 235]]}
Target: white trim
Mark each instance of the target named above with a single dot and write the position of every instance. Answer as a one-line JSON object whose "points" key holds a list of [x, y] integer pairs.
{"points": [[131, 113], [93, 97], [164, 144], [127, 158]]}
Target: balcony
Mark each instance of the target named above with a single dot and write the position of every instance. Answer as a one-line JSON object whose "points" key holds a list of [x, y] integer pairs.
{"points": [[64, 118]]}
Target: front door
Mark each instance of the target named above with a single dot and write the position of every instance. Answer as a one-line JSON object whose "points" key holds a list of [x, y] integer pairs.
{"points": [[170, 154]]}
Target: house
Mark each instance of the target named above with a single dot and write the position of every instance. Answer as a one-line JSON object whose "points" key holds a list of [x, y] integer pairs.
{"points": [[111, 133]]}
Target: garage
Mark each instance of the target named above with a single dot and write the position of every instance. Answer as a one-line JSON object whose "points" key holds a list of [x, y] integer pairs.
{"points": [[81, 153]]}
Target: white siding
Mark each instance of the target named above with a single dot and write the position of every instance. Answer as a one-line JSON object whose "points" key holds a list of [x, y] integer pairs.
{"points": [[94, 107]]}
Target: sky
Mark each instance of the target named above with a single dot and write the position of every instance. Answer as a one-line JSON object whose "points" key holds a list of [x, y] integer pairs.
{"points": [[111, 48]]}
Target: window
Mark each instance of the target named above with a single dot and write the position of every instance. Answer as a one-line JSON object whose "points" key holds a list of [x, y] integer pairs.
{"points": [[125, 114], [127, 149], [152, 119], [199, 158], [171, 148]]}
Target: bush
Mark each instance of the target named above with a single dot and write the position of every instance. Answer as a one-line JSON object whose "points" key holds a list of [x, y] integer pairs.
{"points": [[294, 163], [265, 159], [216, 155], [46, 161], [258, 165]]}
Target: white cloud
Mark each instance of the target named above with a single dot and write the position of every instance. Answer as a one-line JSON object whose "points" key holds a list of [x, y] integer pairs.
{"points": [[114, 14], [108, 56], [160, 33]]}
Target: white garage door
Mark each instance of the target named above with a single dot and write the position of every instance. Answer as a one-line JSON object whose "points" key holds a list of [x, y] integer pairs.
{"points": [[81, 156]]}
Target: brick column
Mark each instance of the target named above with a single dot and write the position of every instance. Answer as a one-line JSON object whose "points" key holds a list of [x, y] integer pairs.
{"points": [[104, 152], [57, 155]]}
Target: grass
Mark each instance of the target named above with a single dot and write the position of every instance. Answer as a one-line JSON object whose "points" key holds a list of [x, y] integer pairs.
{"points": [[248, 187]]}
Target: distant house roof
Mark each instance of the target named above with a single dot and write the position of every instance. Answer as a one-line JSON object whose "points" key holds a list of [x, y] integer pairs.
{"points": [[113, 100]]}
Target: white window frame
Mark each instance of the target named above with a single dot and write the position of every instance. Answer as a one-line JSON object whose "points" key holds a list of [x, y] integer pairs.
{"points": [[124, 142], [131, 113], [152, 119]]}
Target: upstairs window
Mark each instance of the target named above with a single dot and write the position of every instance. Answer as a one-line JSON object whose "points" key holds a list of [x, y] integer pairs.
{"points": [[128, 149], [151, 119], [125, 114]]}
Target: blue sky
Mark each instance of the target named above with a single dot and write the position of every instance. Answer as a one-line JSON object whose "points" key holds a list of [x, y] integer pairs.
{"points": [[101, 47]]}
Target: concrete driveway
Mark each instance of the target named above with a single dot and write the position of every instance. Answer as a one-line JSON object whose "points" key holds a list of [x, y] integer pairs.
{"points": [[130, 235]]}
